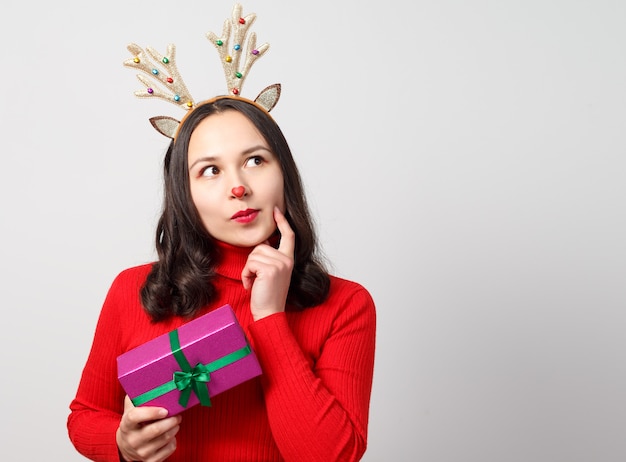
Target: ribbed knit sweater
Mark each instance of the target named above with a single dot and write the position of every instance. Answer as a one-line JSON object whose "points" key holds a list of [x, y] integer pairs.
{"points": [[310, 404]]}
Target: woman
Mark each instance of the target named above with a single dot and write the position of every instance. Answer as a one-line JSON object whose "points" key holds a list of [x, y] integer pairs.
{"points": [[235, 229]]}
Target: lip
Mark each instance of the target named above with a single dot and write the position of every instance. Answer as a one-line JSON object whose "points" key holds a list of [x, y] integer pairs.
{"points": [[245, 216]]}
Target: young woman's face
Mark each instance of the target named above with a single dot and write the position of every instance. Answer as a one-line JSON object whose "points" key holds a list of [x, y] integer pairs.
{"points": [[235, 179]]}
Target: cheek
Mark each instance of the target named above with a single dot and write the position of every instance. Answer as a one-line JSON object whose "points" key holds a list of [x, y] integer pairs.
{"points": [[279, 195], [202, 200], [279, 185]]}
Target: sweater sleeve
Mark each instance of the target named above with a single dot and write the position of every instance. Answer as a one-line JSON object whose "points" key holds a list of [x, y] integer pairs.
{"points": [[96, 411], [319, 412]]}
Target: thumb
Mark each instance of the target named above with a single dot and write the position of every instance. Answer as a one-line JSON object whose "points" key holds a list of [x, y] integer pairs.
{"points": [[247, 278], [128, 404]]}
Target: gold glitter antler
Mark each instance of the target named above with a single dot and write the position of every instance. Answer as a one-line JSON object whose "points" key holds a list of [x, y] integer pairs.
{"points": [[161, 70], [236, 29]]}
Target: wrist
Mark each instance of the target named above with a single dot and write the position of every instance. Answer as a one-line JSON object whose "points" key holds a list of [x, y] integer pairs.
{"points": [[261, 314]]}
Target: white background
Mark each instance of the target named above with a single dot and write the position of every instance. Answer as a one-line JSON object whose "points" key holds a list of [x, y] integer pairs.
{"points": [[464, 160]]}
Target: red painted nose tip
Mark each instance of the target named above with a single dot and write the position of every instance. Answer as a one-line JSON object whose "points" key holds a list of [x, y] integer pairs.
{"points": [[238, 191]]}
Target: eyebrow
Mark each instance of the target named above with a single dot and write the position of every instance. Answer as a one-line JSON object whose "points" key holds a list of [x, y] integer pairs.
{"points": [[243, 154]]}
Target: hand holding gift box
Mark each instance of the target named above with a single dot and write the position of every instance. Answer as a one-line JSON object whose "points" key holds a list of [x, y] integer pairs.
{"points": [[190, 364]]}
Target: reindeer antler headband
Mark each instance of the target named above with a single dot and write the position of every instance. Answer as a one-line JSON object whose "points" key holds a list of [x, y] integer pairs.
{"points": [[165, 82]]}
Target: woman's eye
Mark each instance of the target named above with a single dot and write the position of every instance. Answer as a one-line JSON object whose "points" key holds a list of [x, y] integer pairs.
{"points": [[209, 171], [254, 161]]}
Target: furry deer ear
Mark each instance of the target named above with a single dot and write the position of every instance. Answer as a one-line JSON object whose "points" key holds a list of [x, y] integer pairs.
{"points": [[165, 125], [269, 97]]}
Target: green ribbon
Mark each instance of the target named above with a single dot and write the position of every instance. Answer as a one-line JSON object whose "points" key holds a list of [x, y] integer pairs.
{"points": [[189, 378]]}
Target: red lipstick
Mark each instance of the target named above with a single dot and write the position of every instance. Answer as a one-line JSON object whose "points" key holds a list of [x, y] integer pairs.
{"points": [[245, 216]]}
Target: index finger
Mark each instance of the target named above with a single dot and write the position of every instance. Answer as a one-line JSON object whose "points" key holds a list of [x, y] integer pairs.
{"points": [[287, 236]]}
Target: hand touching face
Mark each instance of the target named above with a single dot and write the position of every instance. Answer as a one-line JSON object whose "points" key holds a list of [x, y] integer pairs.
{"points": [[267, 272]]}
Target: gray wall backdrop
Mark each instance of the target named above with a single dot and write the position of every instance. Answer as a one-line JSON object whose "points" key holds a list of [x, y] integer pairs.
{"points": [[464, 161]]}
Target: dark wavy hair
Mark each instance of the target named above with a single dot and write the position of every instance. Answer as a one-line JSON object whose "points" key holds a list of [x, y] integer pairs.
{"points": [[181, 280]]}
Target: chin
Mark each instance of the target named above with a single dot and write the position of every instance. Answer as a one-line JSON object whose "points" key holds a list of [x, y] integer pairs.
{"points": [[251, 241], [247, 244]]}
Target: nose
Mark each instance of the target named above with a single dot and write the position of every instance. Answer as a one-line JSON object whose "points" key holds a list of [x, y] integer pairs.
{"points": [[239, 191]]}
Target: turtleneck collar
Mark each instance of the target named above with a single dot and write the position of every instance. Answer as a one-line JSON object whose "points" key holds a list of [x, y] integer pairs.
{"points": [[232, 259]]}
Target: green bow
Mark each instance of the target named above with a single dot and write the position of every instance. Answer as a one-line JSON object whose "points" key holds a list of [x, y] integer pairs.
{"points": [[193, 380]]}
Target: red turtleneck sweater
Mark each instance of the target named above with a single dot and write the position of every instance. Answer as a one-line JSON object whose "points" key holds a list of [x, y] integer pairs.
{"points": [[310, 404]]}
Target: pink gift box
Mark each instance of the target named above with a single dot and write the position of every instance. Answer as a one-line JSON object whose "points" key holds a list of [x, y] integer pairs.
{"points": [[209, 354]]}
